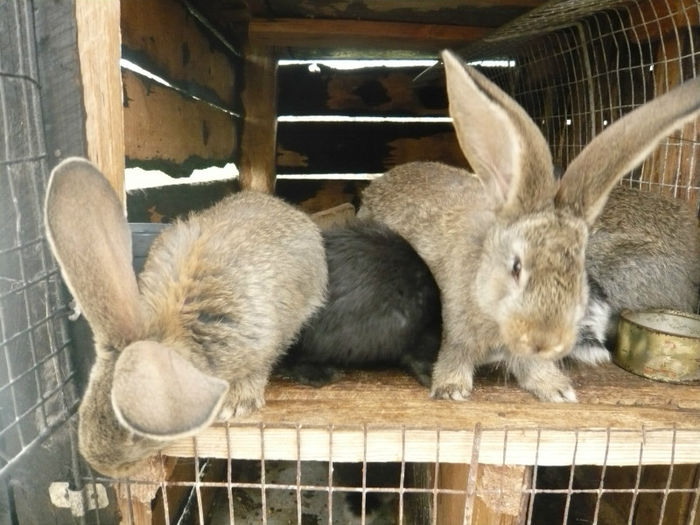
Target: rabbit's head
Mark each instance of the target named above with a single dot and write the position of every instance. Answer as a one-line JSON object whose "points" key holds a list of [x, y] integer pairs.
{"points": [[141, 392], [531, 278]]}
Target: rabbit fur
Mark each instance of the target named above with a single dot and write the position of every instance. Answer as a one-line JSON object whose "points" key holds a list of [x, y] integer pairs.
{"points": [[383, 308], [643, 252], [222, 295], [507, 243]]}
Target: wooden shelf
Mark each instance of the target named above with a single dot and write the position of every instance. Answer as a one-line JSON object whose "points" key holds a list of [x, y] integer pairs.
{"points": [[621, 419]]}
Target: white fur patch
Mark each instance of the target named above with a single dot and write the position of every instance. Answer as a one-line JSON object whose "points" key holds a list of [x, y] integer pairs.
{"points": [[596, 323]]}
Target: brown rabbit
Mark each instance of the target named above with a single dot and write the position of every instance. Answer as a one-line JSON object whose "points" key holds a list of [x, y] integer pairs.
{"points": [[222, 295], [507, 244]]}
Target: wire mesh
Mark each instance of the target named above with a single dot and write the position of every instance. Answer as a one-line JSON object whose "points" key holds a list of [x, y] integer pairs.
{"points": [[267, 489], [36, 378], [576, 81]]}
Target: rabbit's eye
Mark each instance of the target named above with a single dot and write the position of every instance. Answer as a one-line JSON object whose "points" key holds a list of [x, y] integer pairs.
{"points": [[517, 266]]}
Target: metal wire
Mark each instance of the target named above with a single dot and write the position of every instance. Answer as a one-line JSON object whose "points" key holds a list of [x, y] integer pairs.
{"points": [[37, 390]]}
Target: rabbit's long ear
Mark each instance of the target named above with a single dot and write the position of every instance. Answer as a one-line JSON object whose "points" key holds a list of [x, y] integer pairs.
{"points": [[622, 146], [91, 240], [158, 394], [501, 142]]}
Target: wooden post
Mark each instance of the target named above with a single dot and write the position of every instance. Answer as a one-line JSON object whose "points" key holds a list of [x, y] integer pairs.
{"points": [[99, 51], [498, 495], [259, 138]]}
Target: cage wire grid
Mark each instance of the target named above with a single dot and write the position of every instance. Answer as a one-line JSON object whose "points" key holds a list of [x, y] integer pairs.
{"points": [[592, 494], [37, 393]]}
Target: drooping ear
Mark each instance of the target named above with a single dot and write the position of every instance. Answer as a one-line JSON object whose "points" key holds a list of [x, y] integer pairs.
{"points": [[90, 238], [501, 142], [622, 146], [158, 394]]}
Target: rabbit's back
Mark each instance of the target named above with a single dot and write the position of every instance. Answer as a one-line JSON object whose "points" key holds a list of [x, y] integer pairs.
{"points": [[236, 282], [435, 207], [381, 298], [644, 251]]}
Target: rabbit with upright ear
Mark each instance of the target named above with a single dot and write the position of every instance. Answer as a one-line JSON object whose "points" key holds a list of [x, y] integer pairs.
{"points": [[383, 308], [507, 244], [643, 252], [222, 295]]}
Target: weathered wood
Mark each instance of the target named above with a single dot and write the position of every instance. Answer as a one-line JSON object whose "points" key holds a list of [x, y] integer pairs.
{"points": [[363, 147], [618, 416], [488, 14], [162, 37], [336, 216], [318, 195], [166, 203], [257, 165], [165, 130], [360, 34], [97, 26], [371, 91], [496, 496]]}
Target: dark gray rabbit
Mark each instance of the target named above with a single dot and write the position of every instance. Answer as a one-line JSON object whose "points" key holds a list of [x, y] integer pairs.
{"points": [[222, 295], [383, 308]]}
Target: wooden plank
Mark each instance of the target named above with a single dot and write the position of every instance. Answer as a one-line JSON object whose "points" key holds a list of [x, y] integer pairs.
{"points": [[618, 416], [318, 195], [317, 33], [363, 147], [97, 26], [162, 37], [492, 13], [498, 499], [167, 131], [371, 91], [257, 165]]}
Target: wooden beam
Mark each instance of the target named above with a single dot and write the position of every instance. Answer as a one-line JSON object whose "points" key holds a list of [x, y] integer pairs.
{"points": [[377, 91], [168, 131], [318, 33], [99, 51], [620, 419], [498, 496], [162, 37], [259, 135]]}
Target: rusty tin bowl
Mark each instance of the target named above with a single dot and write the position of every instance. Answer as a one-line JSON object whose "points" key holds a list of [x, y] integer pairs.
{"points": [[660, 344]]}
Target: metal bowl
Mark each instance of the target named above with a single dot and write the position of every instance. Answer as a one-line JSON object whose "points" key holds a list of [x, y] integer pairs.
{"points": [[660, 344]]}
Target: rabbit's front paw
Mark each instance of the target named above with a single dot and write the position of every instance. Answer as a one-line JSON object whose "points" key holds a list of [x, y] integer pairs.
{"points": [[559, 390], [451, 391]]}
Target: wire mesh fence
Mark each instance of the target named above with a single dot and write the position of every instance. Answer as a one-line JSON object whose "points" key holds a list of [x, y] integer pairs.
{"points": [[554, 488], [37, 391], [576, 81]]}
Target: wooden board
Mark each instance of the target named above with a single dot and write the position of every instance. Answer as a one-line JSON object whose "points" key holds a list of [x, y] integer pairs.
{"points": [[162, 37], [362, 147], [98, 48], [360, 34], [621, 419], [488, 13], [257, 166], [165, 130], [377, 91]]}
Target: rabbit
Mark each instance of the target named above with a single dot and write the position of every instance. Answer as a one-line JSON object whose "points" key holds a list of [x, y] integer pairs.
{"points": [[221, 296], [643, 252], [507, 243], [383, 308]]}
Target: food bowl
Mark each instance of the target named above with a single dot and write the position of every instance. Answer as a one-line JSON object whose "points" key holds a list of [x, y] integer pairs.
{"points": [[663, 345]]}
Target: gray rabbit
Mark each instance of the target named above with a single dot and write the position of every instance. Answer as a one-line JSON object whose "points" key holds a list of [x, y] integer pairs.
{"points": [[222, 295], [507, 244], [643, 252]]}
